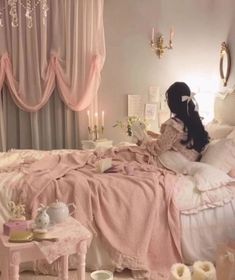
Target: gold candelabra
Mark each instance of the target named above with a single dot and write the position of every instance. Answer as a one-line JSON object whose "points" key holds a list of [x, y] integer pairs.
{"points": [[94, 133], [157, 44]]}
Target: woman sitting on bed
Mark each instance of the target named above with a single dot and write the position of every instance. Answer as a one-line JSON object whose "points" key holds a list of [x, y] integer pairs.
{"points": [[184, 131]]}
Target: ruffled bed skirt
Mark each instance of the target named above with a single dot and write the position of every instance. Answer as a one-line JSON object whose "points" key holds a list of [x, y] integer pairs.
{"points": [[201, 232]]}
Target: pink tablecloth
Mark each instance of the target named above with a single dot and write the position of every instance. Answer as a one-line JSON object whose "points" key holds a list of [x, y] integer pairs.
{"points": [[69, 234]]}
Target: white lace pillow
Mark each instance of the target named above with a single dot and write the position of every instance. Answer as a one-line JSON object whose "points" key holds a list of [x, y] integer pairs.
{"points": [[218, 131], [206, 177], [174, 161], [220, 154], [224, 112], [29, 154], [9, 161]]}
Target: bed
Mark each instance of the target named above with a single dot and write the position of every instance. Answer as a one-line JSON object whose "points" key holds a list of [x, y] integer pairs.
{"points": [[142, 217]]}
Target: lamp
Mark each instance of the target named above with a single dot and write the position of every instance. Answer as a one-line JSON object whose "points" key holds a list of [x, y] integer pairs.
{"points": [[157, 43]]}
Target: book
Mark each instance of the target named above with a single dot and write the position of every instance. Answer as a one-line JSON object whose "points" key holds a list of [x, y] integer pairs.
{"points": [[139, 132]]}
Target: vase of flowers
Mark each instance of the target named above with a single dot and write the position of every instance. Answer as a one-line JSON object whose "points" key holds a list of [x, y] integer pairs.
{"points": [[126, 124]]}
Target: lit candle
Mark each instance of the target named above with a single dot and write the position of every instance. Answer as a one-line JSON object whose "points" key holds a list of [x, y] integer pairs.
{"points": [[102, 119], [171, 33], [153, 34], [96, 119], [89, 118]]}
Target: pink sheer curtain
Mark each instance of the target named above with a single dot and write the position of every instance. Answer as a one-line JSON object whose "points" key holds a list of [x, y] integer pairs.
{"points": [[68, 52]]}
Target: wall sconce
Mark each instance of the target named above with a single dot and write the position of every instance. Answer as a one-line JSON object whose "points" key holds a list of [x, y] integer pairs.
{"points": [[157, 43]]}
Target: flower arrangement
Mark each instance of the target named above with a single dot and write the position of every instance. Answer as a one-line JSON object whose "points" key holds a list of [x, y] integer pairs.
{"points": [[17, 211], [127, 123]]}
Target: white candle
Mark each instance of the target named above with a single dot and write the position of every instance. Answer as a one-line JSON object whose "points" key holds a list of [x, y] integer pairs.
{"points": [[102, 119], [153, 34], [89, 118], [96, 119], [171, 33]]}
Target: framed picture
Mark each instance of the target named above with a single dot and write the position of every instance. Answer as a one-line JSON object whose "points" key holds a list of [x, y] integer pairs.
{"points": [[136, 105], [150, 111]]}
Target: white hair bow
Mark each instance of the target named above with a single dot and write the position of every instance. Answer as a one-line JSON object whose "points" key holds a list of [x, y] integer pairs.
{"points": [[189, 98]]}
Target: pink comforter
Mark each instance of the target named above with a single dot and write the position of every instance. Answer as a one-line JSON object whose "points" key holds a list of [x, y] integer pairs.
{"points": [[131, 207]]}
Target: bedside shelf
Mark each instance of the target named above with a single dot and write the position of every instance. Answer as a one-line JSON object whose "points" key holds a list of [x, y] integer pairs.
{"points": [[89, 144]]}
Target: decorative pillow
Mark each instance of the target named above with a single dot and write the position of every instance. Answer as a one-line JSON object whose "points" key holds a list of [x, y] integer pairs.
{"points": [[29, 155], [190, 200], [220, 154], [174, 161], [224, 112], [219, 131], [9, 161], [231, 135], [206, 177]]}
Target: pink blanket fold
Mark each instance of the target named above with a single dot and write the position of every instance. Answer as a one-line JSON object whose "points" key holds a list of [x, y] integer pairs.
{"points": [[135, 214]]}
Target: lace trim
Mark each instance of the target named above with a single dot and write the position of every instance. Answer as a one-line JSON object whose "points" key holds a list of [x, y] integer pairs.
{"points": [[208, 205]]}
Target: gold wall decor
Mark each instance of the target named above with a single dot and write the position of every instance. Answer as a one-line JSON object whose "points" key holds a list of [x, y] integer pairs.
{"points": [[158, 45], [225, 63]]}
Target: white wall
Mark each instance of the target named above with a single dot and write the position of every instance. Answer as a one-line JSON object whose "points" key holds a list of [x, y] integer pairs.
{"points": [[131, 66]]}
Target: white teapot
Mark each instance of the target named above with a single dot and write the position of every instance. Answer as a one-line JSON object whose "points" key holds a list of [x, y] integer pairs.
{"points": [[59, 211]]}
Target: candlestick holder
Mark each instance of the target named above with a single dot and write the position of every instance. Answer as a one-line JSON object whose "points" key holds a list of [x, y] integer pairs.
{"points": [[158, 45], [95, 132]]}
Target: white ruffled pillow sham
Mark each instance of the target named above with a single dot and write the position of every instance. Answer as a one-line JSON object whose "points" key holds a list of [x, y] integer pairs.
{"points": [[220, 154], [190, 201], [219, 131], [202, 186], [224, 112], [205, 176]]}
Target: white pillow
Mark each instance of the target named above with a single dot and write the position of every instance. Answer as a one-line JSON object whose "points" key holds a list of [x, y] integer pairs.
{"points": [[224, 112], [206, 177], [220, 154], [231, 135], [174, 161], [9, 160], [218, 131], [26, 154]]}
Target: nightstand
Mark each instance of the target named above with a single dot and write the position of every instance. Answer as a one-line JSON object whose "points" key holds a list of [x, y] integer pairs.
{"points": [[89, 144], [71, 238]]}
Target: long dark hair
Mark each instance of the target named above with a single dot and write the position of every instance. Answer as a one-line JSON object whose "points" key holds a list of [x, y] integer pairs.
{"points": [[185, 111]]}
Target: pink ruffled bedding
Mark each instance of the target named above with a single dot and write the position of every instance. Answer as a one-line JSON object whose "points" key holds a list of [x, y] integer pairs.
{"points": [[134, 207], [134, 214]]}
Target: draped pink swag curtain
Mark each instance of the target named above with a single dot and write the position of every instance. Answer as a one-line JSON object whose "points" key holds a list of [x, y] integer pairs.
{"points": [[67, 52]]}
